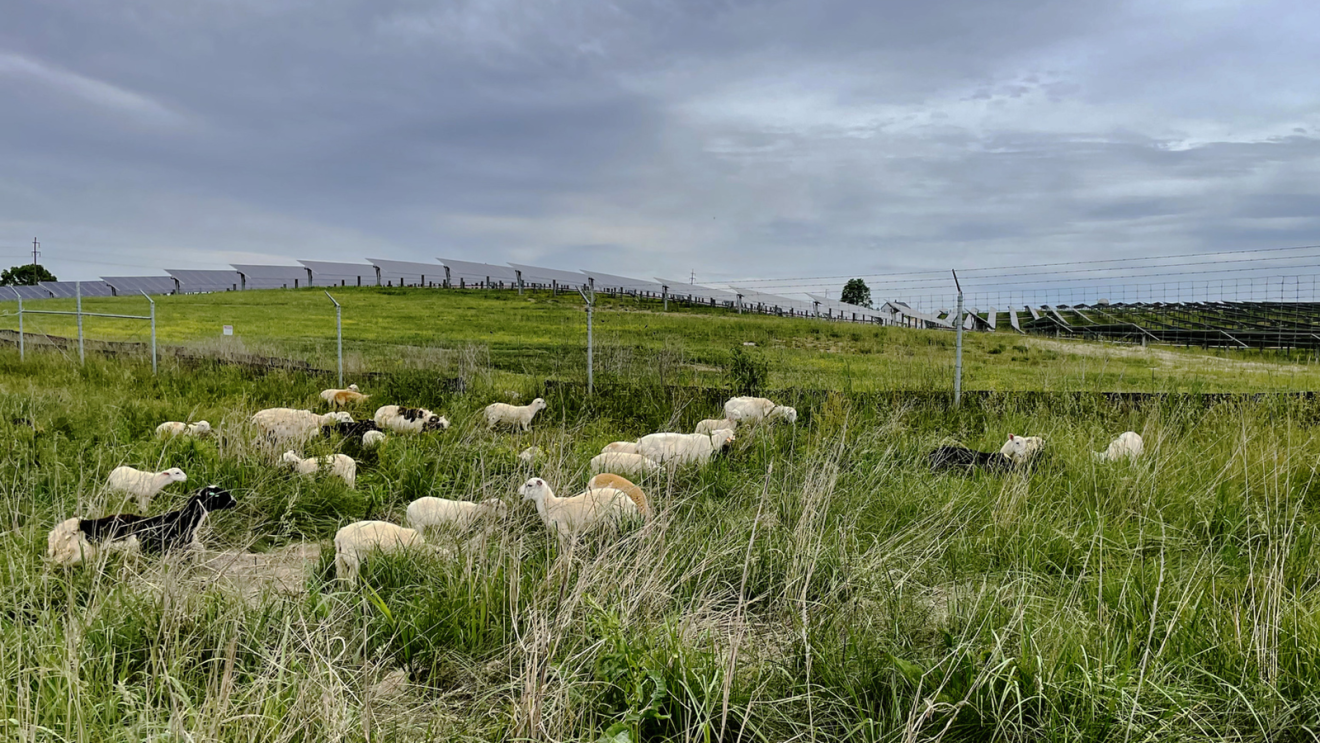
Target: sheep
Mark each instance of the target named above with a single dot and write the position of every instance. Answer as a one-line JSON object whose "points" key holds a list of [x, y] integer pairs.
{"points": [[714, 424], [502, 413], [372, 439], [141, 484], [751, 409], [409, 420], [1022, 449], [530, 455], [288, 424], [624, 485], [1128, 445], [621, 463], [75, 540], [340, 398], [570, 517], [170, 429], [684, 448], [620, 447], [340, 465], [358, 429], [355, 541], [428, 511]]}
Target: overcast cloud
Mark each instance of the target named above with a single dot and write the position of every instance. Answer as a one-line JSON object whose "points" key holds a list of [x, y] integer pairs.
{"points": [[761, 138]]}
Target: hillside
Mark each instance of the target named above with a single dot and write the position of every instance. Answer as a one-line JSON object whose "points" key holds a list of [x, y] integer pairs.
{"points": [[538, 336]]}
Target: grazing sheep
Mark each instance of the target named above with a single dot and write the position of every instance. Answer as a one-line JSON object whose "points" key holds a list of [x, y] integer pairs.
{"points": [[428, 512], [711, 425], [372, 439], [409, 420], [1022, 449], [502, 413], [340, 465], [570, 517], [355, 541], [621, 463], [1128, 445], [340, 398], [530, 454], [752, 409], [289, 425], [170, 429], [351, 429], [141, 484], [620, 447], [960, 457], [684, 448], [76, 540], [624, 485]]}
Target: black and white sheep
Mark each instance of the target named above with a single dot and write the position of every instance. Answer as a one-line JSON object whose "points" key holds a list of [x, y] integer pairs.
{"points": [[75, 540], [409, 420]]}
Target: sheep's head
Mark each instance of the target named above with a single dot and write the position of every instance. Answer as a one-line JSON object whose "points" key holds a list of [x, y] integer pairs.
{"points": [[720, 438], [201, 428], [436, 423], [784, 412], [1021, 448], [290, 458], [215, 498], [353, 387], [174, 474], [372, 439], [339, 417], [538, 404], [534, 489]]}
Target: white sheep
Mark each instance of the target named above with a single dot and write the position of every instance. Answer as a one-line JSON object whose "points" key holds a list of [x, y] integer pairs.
{"points": [[622, 463], [751, 409], [409, 420], [433, 512], [372, 439], [142, 484], [67, 545], [502, 413], [170, 429], [1022, 449], [570, 517], [340, 465], [624, 485], [620, 447], [684, 448], [290, 425], [1128, 445], [354, 542], [714, 424], [340, 398]]}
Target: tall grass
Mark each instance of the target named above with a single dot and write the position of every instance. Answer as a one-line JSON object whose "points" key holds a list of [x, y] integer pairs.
{"points": [[818, 583]]}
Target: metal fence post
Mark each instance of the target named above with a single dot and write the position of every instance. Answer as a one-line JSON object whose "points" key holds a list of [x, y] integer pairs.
{"points": [[957, 354], [22, 355], [589, 296], [82, 356], [153, 331], [339, 335]]}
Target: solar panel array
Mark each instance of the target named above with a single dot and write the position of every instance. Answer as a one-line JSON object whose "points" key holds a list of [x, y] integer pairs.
{"points": [[544, 278], [408, 273], [332, 273], [611, 282], [69, 289], [135, 284], [485, 275], [272, 277], [194, 281]]}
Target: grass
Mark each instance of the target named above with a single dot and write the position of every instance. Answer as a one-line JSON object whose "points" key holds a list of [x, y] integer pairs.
{"points": [[818, 583], [537, 336]]}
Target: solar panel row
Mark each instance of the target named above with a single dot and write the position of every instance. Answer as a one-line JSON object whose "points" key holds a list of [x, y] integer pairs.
{"points": [[134, 284]]}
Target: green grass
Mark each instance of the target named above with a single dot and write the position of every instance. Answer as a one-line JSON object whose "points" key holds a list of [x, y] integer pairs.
{"points": [[536, 336], [818, 583]]}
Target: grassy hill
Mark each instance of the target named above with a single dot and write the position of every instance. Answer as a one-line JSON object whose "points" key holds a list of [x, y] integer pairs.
{"points": [[539, 336]]}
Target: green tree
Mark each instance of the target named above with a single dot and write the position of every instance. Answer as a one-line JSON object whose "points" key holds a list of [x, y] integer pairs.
{"points": [[856, 292], [27, 275]]}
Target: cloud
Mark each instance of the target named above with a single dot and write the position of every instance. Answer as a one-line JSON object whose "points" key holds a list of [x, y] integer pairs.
{"points": [[109, 98]]}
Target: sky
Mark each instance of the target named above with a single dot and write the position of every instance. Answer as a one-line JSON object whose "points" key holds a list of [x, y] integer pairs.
{"points": [[728, 139]]}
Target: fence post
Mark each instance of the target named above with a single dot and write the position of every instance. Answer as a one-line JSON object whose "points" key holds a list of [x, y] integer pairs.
{"points": [[153, 331], [82, 356], [22, 356], [665, 293], [957, 354], [339, 336], [589, 296]]}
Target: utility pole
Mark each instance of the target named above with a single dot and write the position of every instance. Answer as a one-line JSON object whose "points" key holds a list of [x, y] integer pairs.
{"points": [[35, 251], [693, 279]]}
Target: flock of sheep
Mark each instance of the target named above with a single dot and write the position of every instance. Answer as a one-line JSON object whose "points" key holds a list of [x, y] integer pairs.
{"points": [[609, 498]]}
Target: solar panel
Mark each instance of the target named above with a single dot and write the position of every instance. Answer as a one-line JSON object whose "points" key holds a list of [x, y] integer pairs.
{"points": [[331, 273], [696, 292], [193, 281], [272, 277], [753, 297], [409, 273], [484, 274], [68, 289], [547, 277], [26, 292], [606, 281], [135, 284]]}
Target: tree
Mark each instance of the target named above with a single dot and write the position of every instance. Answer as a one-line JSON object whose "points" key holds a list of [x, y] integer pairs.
{"points": [[856, 292], [27, 275]]}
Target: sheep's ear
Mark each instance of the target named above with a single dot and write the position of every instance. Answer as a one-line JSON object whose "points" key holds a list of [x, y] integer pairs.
{"points": [[1010, 437]]}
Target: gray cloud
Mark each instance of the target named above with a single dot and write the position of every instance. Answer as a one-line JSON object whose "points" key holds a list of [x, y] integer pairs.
{"points": [[736, 139]]}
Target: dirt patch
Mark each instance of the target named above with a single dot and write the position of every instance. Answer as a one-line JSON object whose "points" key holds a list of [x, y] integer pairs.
{"points": [[1163, 356], [253, 575]]}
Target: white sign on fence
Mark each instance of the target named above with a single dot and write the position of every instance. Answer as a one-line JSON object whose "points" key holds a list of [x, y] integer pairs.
{"points": [[229, 330]]}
